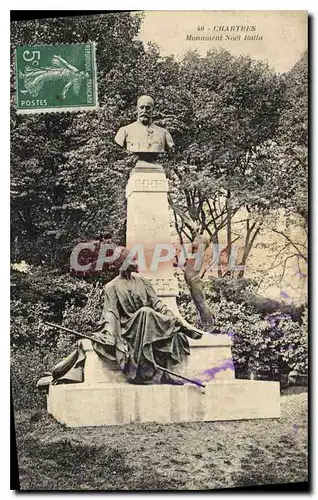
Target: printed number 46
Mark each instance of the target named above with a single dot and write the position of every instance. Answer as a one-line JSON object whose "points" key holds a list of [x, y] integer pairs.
{"points": [[35, 57]]}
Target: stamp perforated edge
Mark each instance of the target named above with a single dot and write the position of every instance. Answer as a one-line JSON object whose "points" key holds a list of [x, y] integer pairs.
{"points": [[45, 110], [75, 109]]}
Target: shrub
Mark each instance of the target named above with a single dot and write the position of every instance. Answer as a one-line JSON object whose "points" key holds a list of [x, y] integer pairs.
{"points": [[236, 290], [244, 291], [27, 365], [275, 344], [292, 341], [185, 303], [41, 296], [272, 343], [35, 347]]}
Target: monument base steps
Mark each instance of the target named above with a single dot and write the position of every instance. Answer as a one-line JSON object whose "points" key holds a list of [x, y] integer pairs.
{"points": [[106, 398], [85, 404]]}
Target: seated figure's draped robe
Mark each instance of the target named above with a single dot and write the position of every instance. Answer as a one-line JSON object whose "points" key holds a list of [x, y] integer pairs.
{"points": [[139, 328]]}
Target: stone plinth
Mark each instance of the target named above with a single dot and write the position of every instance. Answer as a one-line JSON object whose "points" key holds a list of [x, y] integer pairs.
{"points": [[84, 404], [148, 226], [210, 359], [97, 370]]}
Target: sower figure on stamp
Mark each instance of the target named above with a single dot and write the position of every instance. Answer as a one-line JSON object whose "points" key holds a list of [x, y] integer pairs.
{"points": [[140, 330]]}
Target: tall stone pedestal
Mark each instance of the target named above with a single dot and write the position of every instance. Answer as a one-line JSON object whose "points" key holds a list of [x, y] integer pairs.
{"points": [[105, 397], [148, 228]]}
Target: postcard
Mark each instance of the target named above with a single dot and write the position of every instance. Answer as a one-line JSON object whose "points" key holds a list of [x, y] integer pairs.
{"points": [[159, 235]]}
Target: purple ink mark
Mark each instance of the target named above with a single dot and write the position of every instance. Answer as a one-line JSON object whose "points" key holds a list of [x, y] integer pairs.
{"points": [[230, 334], [284, 295], [271, 321], [210, 373], [198, 382], [287, 348], [301, 275], [273, 318], [212, 331], [296, 427], [216, 331]]}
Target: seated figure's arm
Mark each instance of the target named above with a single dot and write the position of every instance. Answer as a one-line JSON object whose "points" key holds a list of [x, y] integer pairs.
{"points": [[157, 304], [154, 300]]}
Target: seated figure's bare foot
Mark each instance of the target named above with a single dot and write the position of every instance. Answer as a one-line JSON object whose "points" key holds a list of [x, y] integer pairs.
{"points": [[166, 379]]}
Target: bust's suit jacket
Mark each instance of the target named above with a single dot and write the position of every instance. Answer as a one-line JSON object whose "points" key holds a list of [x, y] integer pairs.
{"points": [[139, 138]]}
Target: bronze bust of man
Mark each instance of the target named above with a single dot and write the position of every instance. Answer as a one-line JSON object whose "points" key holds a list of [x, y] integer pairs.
{"points": [[143, 136]]}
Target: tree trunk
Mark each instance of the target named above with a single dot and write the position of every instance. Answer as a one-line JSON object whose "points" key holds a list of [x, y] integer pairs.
{"points": [[249, 241], [229, 229]]}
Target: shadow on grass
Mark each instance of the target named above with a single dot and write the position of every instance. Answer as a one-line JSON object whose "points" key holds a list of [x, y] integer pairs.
{"points": [[253, 473], [67, 464]]}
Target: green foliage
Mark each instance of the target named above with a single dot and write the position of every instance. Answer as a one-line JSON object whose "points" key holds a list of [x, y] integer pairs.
{"points": [[67, 175], [275, 343], [294, 118], [262, 342], [230, 289], [35, 347], [244, 291], [282, 163], [63, 299], [244, 149], [26, 325], [185, 303], [236, 103], [27, 365], [293, 343], [234, 106]]}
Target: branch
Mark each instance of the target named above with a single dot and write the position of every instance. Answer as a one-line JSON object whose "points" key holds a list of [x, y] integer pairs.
{"points": [[257, 230], [281, 263], [279, 252], [292, 244], [190, 237]]}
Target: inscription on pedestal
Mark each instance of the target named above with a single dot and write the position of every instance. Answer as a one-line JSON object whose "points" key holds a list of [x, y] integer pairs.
{"points": [[150, 185], [146, 184], [165, 286]]}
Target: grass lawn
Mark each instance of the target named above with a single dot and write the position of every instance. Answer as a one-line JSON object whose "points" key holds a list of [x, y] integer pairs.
{"points": [[187, 456]]}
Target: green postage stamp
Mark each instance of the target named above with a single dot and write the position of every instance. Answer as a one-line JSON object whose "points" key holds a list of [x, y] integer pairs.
{"points": [[55, 78]]}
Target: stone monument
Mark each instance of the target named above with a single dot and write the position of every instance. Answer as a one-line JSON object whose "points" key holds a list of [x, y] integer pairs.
{"points": [[105, 397], [147, 204]]}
